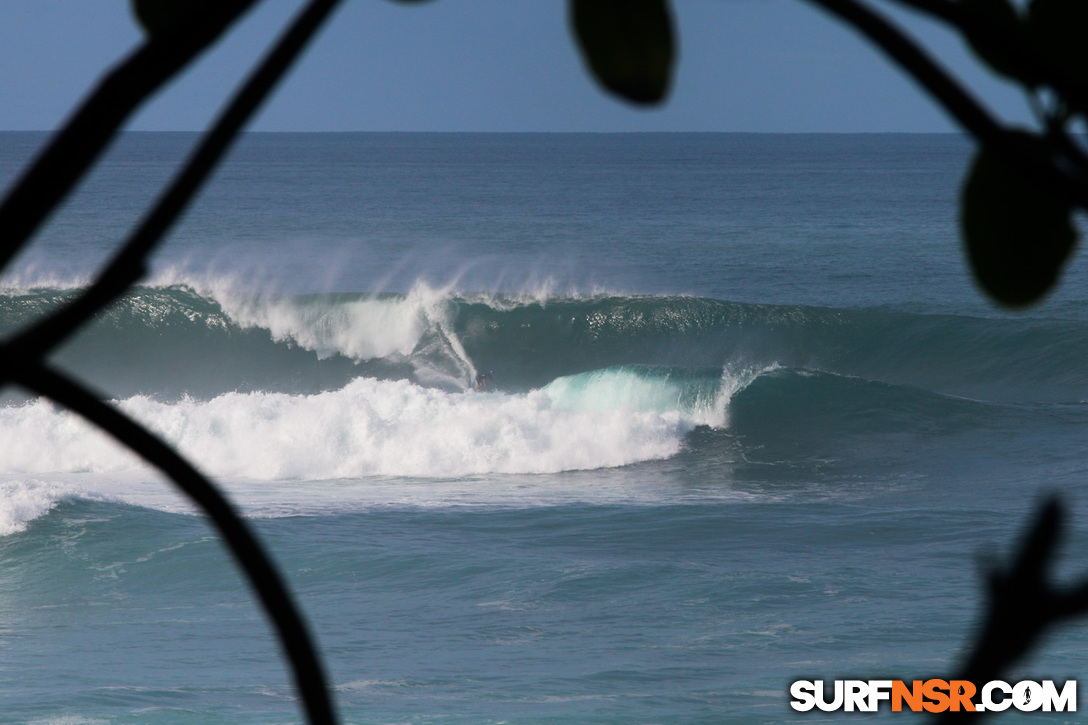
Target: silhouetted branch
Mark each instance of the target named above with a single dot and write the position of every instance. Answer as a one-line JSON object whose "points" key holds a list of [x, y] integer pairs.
{"points": [[129, 265], [1018, 46], [22, 355], [1032, 61], [1023, 605], [74, 149], [974, 117], [935, 79], [308, 672]]}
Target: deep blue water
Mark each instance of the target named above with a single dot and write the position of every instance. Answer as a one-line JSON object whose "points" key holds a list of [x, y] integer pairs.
{"points": [[750, 422]]}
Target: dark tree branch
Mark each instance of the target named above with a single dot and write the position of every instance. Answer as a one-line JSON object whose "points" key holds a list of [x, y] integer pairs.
{"points": [[22, 356], [129, 265], [87, 134], [917, 63], [308, 673], [1017, 45], [998, 140], [1024, 53]]}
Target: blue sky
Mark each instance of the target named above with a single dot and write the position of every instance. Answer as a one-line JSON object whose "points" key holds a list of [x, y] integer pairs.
{"points": [[494, 65]]}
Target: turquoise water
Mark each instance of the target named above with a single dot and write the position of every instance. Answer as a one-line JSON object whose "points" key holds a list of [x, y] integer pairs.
{"points": [[750, 423]]}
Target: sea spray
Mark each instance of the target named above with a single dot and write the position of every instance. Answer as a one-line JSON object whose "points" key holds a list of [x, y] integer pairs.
{"points": [[414, 326], [22, 501]]}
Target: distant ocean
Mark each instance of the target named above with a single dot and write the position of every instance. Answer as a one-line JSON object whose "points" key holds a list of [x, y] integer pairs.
{"points": [[750, 422]]}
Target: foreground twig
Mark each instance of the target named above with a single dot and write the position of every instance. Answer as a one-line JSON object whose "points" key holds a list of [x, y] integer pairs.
{"points": [[970, 114], [129, 265], [89, 131], [22, 356], [1020, 48], [1023, 606], [308, 672]]}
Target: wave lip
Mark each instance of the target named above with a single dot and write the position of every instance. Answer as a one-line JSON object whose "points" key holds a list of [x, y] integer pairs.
{"points": [[695, 397], [212, 337]]}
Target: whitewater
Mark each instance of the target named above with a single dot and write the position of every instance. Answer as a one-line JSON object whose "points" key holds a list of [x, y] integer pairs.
{"points": [[749, 422], [433, 425]]}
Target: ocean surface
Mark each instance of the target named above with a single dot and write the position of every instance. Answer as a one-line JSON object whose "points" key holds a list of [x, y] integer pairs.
{"points": [[750, 422]]}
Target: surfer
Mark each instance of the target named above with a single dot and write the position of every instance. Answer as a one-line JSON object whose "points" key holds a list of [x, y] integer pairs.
{"points": [[482, 378]]}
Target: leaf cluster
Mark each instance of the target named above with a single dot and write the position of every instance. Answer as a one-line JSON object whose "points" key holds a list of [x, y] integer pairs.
{"points": [[1017, 206]]}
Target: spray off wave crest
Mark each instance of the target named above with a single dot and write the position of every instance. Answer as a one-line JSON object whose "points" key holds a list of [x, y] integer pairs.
{"points": [[414, 328]]}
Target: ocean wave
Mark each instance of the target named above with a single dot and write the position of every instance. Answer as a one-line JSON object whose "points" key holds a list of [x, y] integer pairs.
{"points": [[23, 501], [791, 404], [283, 454], [286, 454], [368, 428], [176, 340], [599, 419]]}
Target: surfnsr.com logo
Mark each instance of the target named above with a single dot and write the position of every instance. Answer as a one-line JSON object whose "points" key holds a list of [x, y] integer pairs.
{"points": [[933, 696]]}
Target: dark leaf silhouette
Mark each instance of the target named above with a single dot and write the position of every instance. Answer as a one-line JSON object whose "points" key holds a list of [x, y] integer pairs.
{"points": [[1017, 236], [1059, 26], [628, 45]]}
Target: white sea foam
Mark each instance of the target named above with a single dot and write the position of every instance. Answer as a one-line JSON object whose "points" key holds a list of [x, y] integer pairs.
{"points": [[372, 440], [368, 428], [24, 501], [370, 443], [29, 277]]}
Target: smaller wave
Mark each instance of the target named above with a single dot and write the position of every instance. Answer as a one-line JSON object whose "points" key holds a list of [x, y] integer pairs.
{"points": [[793, 403], [368, 428], [284, 453]]}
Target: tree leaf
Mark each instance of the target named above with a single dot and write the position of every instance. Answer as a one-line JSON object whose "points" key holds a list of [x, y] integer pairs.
{"points": [[154, 15], [1060, 27], [628, 45], [1017, 236]]}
